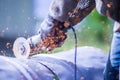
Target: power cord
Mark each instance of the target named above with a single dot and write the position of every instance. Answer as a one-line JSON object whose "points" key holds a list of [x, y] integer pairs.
{"points": [[75, 54]]}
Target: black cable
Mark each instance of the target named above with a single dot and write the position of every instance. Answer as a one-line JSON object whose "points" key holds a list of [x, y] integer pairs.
{"points": [[55, 75], [75, 55]]}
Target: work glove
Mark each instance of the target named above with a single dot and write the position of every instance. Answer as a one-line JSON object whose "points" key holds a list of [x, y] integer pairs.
{"points": [[51, 35]]}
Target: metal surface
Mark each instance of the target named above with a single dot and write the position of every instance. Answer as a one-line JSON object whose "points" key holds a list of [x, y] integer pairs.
{"points": [[90, 65]]}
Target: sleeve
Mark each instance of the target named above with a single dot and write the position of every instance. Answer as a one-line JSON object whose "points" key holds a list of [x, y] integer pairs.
{"points": [[63, 14], [71, 11]]}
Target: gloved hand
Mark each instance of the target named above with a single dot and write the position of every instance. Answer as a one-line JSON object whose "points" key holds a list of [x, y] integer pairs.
{"points": [[51, 35]]}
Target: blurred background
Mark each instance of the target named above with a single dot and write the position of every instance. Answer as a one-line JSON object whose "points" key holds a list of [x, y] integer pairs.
{"points": [[21, 18]]}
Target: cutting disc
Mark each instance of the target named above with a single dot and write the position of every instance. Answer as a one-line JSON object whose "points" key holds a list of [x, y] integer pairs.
{"points": [[21, 48]]}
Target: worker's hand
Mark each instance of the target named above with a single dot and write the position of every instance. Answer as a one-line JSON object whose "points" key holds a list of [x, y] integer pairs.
{"points": [[52, 34]]}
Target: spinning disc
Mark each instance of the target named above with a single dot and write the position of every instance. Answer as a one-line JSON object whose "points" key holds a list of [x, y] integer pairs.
{"points": [[21, 48]]}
